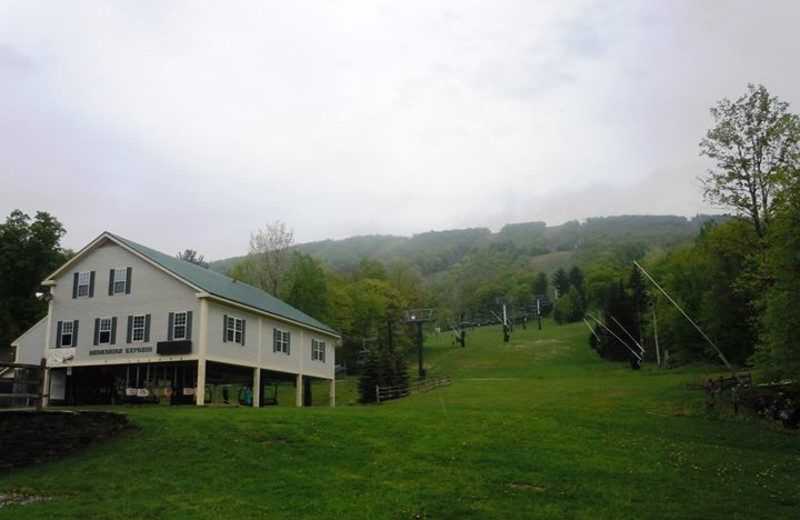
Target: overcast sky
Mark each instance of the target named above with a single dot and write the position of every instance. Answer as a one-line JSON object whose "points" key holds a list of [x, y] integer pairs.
{"points": [[187, 124]]}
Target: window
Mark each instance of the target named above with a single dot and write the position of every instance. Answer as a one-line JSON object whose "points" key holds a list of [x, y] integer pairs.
{"points": [[84, 284], [66, 336], [281, 339], [234, 330], [119, 281], [317, 350], [137, 328], [180, 326], [105, 331]]}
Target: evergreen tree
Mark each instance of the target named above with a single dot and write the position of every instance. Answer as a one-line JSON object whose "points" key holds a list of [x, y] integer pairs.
{"points": [[576, 280], [560, 281]]}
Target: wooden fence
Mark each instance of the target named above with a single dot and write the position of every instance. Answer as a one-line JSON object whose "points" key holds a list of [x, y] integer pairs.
{"points": [[715, 387], [25, 389], [386, 393]]}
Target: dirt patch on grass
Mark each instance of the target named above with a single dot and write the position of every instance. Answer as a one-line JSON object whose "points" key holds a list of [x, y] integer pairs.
{"points": [[11, 499], [527, 486]]}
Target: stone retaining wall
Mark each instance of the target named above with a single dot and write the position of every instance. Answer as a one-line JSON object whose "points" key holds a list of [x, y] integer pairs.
{"points": [[29, 436]]}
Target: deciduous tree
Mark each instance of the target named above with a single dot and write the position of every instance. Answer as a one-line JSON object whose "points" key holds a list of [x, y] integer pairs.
{"points": [[755, 144], [191, 256], [270, 249], [29, 251]]}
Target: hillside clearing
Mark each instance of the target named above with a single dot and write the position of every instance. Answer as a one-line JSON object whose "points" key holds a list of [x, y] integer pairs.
{"points": [[540, 428]]}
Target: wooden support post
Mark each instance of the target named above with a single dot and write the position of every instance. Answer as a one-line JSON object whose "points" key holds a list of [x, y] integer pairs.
{"points": [[200, 391], [44, 379], [299, 398], [332, 392], [256, 387]]}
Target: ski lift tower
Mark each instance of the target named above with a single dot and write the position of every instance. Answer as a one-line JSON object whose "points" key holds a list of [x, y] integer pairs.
{"points": [[506, 327], [420, 317]]}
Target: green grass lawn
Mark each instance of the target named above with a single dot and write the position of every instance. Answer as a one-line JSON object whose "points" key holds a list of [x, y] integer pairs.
{"points": [[535, 428]]}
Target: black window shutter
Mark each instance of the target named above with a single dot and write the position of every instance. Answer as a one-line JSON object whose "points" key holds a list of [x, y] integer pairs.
{"points": [[58, 334], [225, 328], [113, 330], [146, 327], [75, 285], [170, 325], [75, 333], [274, 340], [96, 331], [289, 343], [188, 324], [128, 274], [111, 282], [244, 322], [91, 284], [129, 337]]}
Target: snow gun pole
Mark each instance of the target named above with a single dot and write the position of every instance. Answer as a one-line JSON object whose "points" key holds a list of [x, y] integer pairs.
{"points": [[637, 356], [719, 352], [641, 348]]}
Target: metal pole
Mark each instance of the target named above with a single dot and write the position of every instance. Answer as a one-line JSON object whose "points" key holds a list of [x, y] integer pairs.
{"points": [[539, 313], [655, 334], [419, 350]]}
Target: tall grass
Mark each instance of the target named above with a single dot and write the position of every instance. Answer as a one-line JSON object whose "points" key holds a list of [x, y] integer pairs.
{"points": [[535, 428]]}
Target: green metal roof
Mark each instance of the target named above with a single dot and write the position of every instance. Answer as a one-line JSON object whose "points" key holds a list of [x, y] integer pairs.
{"points": [[225, 287]]}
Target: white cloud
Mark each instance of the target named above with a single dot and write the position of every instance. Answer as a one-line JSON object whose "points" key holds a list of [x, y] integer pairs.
{"points": [[184, 124]]}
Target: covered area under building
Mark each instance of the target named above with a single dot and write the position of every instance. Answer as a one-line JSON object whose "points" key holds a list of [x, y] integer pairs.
{"points": [[176, 383]]}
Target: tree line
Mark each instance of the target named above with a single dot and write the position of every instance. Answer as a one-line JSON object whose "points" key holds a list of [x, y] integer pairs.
{"points": [[736, 278], [739, 278]]}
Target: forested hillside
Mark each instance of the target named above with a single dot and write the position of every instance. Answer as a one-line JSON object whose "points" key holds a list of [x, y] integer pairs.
{"points": [[437, 251]]}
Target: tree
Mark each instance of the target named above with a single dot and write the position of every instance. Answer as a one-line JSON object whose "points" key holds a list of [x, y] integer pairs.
{"points": [[190, 255], [29, 251], [270, 249], [569, 307], [576, 279], [712, 281], [619, 317], [755, 144], [560, 282], [540, 284], [305, 287], [778, 349]]}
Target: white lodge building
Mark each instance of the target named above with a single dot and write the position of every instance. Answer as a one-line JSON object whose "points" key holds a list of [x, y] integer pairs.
{"points": [[127, 322]]}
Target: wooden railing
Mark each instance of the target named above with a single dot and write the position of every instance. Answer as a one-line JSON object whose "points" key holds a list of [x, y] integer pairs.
{"points": [[715, 387], [386, 393], [25, 389]]}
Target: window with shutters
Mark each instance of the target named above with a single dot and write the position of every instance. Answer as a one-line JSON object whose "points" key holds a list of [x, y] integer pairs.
{"points": [[104, 331], [281, 339], [67, 334], [137, 328], [84, 280], [317, 350], [179, 326], [234, 329], [120, 282]]}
